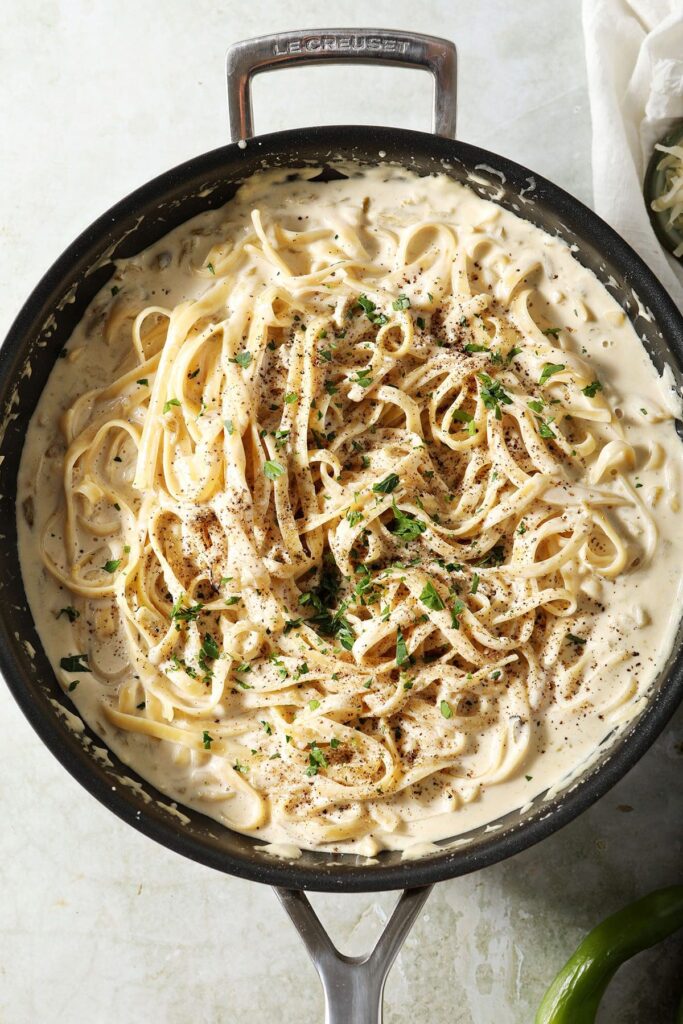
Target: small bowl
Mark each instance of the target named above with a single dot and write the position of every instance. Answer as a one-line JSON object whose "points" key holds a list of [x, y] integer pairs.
{"points": [[655, 185]]}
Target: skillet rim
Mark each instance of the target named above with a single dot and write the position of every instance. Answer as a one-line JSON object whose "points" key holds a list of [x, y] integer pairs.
{"points": [[549, 817]]}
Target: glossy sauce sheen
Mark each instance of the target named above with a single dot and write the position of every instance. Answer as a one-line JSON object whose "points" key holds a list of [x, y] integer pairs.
{"points": [[642, 605]]}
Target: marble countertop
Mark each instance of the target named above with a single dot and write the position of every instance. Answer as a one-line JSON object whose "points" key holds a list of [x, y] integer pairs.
{"points": [[98, 923]]}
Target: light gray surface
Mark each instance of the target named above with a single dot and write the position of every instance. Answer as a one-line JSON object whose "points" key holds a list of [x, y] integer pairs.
{"points": [[96, 922]]}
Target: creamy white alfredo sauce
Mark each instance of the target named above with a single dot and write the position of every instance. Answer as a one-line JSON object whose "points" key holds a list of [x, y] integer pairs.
{"points": [[388, 403]]}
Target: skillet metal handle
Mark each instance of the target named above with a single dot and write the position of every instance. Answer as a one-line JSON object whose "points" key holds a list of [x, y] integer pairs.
{"points": [[353, 986], [340, 46]]}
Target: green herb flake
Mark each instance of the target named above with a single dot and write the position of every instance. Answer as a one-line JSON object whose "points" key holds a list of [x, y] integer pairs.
{"points": [[112, 564], [70, 613], [185, 614], [143, 382], [72, 685], [370, 310], [73, 663], [272, 470], [407, 527], [475, 584], [243, 359], [493, 394], [291, 397], [401, 649], [362, 378], [577, 641], [314, 704], [549, 369], [456, 611], [207, 740], [431, 599], [316, 760], [402, 302], [591, 390], [446, 709], [169, 404], [551, 332], [386, 486], [210, 267]]}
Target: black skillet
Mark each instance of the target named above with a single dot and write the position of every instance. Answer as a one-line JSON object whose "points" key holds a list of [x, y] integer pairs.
{"points": [[353, 988]]}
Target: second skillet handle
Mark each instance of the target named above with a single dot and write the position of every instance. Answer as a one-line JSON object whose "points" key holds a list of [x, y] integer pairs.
{"points": [[353, 986], [340, 46]]}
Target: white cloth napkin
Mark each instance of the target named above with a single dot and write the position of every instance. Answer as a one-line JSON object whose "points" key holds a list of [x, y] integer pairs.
{"points": [[634, 55]]}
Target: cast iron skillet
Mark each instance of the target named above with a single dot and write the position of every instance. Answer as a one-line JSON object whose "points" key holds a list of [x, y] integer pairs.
{"points": [[353, 988]]}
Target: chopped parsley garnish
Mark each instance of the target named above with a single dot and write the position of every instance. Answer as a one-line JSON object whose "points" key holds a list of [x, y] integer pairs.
{"points": [[291, 397], [72, 685], [291, 624], [476, 348], [446, 709], [112, 564], [73, 663], [272, 470], [210, 647], [233, 599], [431, 599], [363, 378], [354, 517], [407, 527], [331, 387], [521, 529], [242, 359], [420, 322], [493, 394], [334, 743], [370, 310], [268, 727], [577, 641], [548, 370], [143, 382], [171, 402], [464, 417], [210, 267], [401, 650], [70, 613], [644, 412], [115, 289], [207, 740], [592, 389], [185, 614], [402, 302], [386, 486], [456, 611], [475, 584], [536, 406], [551, 332], [314, 704], [544, 428], [316, 760], [229, 426], [496, 556]]}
